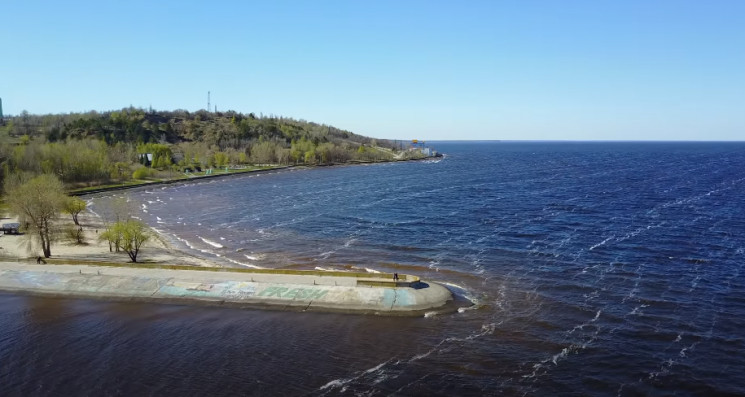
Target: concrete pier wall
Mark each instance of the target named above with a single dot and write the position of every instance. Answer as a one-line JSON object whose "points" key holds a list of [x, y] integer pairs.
{"points": [[278, 291]]}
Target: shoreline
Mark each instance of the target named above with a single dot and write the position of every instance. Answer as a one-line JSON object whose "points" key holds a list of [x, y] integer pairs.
{"points": [[87, 191]]}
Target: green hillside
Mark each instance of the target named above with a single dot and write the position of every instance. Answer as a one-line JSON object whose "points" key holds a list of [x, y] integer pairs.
{"points": [[117, 147]]}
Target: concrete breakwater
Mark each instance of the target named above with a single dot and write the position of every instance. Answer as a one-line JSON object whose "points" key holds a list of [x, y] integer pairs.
{"points": [[312, 291]]}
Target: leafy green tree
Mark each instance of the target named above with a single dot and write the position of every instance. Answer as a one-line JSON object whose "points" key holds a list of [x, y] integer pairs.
{"points": [[264, 153], [111, 236], [221, 159], [310, 157], [129, 235], [120, 171], [37, 202], [74, 206], [296, 154]]}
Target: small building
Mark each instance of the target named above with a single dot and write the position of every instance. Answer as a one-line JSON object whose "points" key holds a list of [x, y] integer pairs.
{"points": [[146, 159]]}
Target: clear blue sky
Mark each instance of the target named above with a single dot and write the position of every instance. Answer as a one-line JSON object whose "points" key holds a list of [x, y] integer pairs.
{"points": [[568, 70]]}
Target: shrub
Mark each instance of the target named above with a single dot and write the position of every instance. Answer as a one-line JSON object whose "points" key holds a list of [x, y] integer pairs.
{"points": [[141, 173], [74, 234]]}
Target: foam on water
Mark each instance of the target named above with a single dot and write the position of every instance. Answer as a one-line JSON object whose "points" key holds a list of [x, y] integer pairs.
{"points": [[243, 264], [210, 242], [185, 241]]}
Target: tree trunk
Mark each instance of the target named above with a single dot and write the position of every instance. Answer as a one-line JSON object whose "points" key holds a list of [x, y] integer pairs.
{"points": [[45, 246]]}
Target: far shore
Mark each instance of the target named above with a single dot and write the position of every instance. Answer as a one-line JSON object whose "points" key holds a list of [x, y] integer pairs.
{"points": [[220, 174], [181, 179]]}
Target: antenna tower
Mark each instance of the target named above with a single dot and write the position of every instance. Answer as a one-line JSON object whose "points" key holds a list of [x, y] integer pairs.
{"points": [[208, 101]]}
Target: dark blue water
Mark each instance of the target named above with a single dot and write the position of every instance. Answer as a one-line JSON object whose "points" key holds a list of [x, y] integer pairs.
{"points": [[596, 269]]}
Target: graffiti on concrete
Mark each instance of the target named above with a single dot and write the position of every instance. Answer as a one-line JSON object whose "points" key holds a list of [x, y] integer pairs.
{"points": [[239, 290], [228, 290], [225, 290], [293, 293], [200, 287]]}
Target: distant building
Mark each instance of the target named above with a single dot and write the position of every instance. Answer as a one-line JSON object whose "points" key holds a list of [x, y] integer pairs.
{"points": [[146, 159]]}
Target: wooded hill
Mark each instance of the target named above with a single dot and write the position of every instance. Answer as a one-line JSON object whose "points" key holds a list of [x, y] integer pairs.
{"points": [[111, 147]]}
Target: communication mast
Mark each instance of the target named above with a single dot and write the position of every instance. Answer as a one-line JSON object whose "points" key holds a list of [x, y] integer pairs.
{"points": [[208, 101]]}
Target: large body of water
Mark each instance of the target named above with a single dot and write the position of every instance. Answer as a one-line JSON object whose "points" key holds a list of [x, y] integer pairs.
{"points": [[596, 268]]}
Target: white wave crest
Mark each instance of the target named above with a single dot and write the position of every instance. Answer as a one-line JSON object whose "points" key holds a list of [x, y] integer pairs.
{"points": [[243, 264], [326, 255], [210, 252], [212, 243], [183, 240], [601, 243]]}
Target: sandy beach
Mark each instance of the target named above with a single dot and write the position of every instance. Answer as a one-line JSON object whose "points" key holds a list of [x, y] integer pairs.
{"points": [[156, 250]]}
